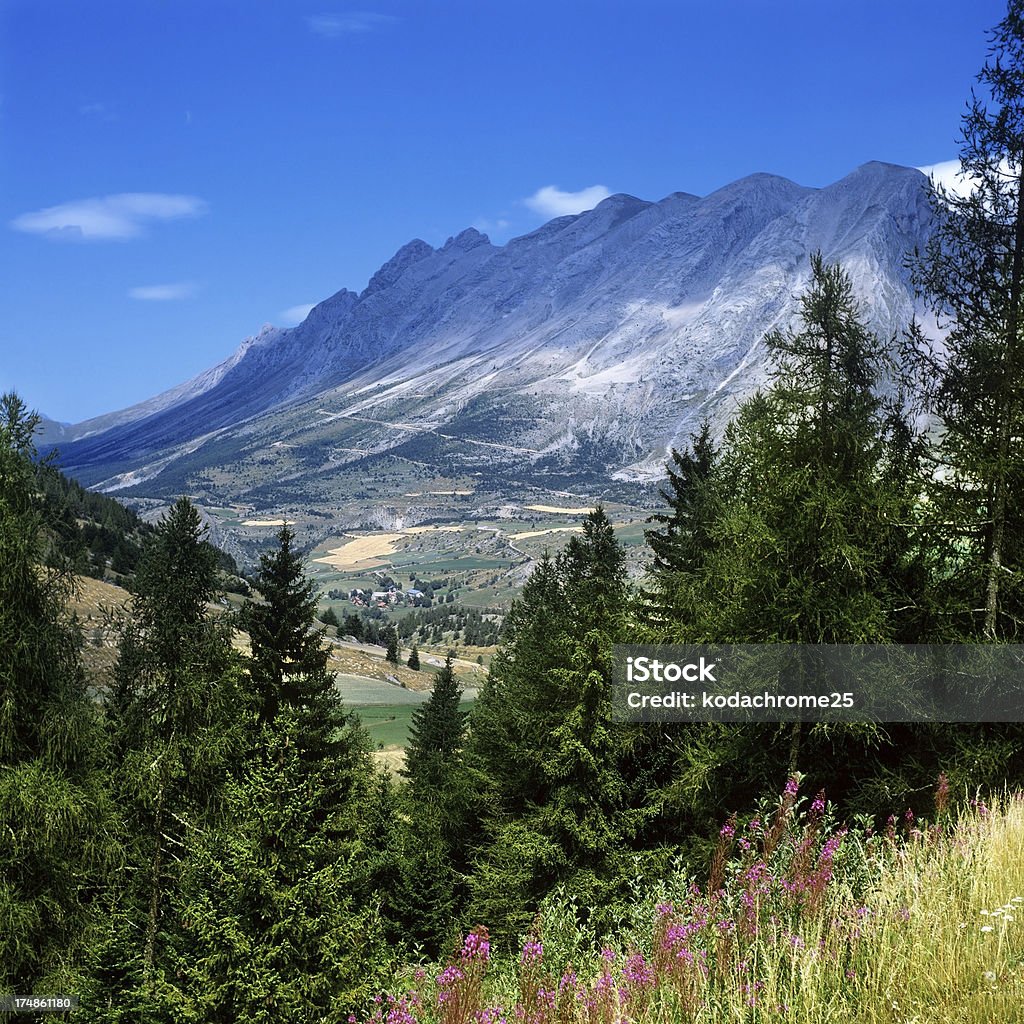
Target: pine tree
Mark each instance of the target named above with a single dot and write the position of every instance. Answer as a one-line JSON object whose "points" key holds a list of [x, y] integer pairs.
{"points": [[542, 735], [276, 901], [60, 839], [177, 720], [809, 511], [289, 661], [391, 642], [436, 733], [816, 498], [972, 271], [414, 658]]}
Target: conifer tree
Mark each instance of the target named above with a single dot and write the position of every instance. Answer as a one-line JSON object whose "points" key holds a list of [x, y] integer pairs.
{"points": [[816, 499], [59, 837], [277, 899], [542, 735], [972, 272], [177, 722], [436, 733], [391, 643], [289, 660], [414, 658]]}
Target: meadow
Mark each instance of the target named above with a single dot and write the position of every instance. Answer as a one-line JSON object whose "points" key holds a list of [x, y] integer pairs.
{"points": [[800, 918]]}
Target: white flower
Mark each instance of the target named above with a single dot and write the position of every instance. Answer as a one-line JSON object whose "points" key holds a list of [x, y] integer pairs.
{"points": [[986, 927], [990, 975], [985, 913], [1007, 917]]}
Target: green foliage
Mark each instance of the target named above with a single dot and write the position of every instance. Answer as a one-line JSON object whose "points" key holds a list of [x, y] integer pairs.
{"points": [[414, 658], [972, 273], [275, 915], [177, 718], [390, 637], [802, 529], [436, 734], [60, 838], [559, 808]]}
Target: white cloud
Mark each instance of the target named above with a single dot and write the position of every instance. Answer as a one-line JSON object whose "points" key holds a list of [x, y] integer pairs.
{"points": [[163, 292], [296, 314], [121, 216], [947, 173], [334, 25], [551, 201]]}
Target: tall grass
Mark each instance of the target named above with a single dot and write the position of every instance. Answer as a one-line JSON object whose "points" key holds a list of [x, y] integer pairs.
{"points": [[799, 920]]}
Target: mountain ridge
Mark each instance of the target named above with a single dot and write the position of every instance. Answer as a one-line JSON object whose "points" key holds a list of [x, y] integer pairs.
{"points": [[598, 340]]}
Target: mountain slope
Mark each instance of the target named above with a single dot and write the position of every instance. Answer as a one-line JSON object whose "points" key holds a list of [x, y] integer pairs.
{"points": [[582, 350]]}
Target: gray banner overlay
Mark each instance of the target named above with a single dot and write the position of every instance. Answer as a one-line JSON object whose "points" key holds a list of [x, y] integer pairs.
{"points": [[818, 683]]}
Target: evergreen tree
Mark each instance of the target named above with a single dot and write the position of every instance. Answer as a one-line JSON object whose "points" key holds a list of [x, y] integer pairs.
{"points": [[972, 271], [289, 660], [390, 636], [414, 658], [814, 542], [809, 508], [542, 735], [276, 902], [60, 839], [288, 667], [177, 717], [436, 733]]}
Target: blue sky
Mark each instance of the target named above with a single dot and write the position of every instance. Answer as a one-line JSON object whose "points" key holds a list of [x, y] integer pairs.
{"points": [[175, 174]]}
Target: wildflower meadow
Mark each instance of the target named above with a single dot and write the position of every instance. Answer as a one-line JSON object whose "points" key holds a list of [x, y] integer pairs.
{"points": [[800, 918]]}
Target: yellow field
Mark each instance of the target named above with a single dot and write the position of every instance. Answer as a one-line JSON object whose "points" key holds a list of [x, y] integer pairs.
{"points": [[360, 552], [373, 549]]}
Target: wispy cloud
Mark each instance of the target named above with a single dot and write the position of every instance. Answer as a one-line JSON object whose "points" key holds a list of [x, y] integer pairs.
{"points": [[122, 216], [551, 201], [498, 225], [348, 23], [163, 292], [103, 111], [296, 314]]}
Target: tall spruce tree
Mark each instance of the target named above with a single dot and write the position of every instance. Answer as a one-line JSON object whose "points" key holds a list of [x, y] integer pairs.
{"points": [[176, 716], [684, 539], [289, 659], [277, 898], [542, 735], [60, 840], [972, 271], [436, 734], [288, 670]]}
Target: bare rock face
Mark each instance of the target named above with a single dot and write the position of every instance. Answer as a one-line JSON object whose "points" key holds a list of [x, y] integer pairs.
{"points": [[588, 347]]}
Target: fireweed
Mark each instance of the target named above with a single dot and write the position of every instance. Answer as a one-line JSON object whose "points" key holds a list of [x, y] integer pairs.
{"points": [[800, 918]]}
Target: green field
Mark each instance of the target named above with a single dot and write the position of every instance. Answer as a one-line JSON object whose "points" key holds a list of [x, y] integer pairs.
{"points": [[388, 724]]}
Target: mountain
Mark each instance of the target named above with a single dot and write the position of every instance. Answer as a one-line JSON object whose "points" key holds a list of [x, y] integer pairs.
{"points": [[570, 358]]}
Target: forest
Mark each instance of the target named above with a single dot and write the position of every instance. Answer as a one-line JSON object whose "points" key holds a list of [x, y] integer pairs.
{"points": [[209, 840]]}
